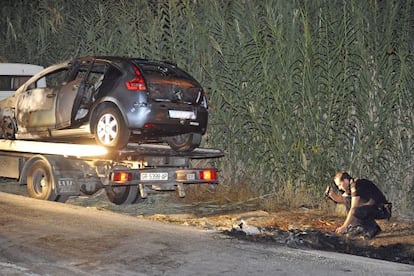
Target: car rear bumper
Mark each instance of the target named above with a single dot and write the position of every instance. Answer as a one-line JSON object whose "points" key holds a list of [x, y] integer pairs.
{"points": [[155, 120]]}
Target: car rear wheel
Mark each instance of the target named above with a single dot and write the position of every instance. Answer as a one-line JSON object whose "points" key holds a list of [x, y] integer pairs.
{"points": [[110, 129], [184, 142]]}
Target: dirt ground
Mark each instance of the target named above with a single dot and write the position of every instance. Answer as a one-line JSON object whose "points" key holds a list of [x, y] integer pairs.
{"points": [[299, 228]]}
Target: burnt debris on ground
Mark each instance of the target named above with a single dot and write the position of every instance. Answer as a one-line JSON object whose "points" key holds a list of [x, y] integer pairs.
{"points": [[318, 240]]}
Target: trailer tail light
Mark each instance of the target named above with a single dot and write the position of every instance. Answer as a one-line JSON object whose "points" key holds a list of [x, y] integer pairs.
{"points": [[208, 175], [121, 177], [137, 83]]}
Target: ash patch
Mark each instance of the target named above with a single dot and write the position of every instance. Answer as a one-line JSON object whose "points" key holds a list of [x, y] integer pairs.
{"points": [[318, 240]]}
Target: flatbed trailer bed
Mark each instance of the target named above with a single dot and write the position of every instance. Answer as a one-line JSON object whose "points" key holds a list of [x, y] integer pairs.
{"points": [[56, 171]]}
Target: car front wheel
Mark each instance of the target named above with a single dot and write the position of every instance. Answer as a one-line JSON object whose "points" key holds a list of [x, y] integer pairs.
{"points": [[110, 129], [184, 142]]}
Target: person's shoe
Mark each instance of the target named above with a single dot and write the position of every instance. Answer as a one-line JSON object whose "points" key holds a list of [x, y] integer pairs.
{"points": [[353, 231], [372, 233]]}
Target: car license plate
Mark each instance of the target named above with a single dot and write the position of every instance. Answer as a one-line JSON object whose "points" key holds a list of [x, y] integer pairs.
{"points": [[180, 114], [154, 176]]}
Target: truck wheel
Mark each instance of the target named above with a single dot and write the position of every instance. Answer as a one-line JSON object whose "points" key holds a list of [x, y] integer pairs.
{"points": [[122, 194], [184, 142], [110, 129], [41, 182]]}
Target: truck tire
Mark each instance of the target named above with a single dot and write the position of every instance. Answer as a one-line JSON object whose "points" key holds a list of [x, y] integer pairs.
{"points": [[184, 142], [122, 194], [41, 181]]}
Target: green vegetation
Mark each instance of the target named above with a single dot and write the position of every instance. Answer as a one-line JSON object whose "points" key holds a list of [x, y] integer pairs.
{"points": [[298, 89]]}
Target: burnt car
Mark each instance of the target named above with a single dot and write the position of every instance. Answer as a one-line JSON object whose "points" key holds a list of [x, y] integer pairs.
{"points": [[116, 100]]}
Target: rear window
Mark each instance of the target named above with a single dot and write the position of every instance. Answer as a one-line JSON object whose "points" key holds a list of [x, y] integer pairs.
{"points": [[163, 70], [112, 73], [11, 83]]}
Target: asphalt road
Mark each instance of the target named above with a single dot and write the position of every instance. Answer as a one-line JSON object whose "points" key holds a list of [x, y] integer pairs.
{"points": [[48, 238]]}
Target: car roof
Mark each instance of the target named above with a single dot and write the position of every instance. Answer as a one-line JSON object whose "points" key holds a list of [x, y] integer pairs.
{"points": [[124, 59]]}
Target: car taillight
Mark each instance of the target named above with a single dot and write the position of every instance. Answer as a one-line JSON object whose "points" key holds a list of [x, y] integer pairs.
{"points": [[121, 176], [149, 125], [208, 175], [136, 83]]}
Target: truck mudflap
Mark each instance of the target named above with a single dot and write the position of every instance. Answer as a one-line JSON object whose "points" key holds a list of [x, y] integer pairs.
{"points": [[67, 186]]}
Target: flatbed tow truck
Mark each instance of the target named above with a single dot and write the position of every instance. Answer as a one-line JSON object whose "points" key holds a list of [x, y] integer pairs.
{"points": [[55, 171]]}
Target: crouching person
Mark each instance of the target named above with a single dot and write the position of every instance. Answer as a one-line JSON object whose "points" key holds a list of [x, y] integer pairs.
{"points": [[364, 202]]}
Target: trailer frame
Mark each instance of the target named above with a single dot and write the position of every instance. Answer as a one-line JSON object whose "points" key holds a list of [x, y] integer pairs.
{"points": [[55, 171]]}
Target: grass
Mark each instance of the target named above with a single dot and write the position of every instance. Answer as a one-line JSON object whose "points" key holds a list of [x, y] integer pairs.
{"points": [[243, 195]]}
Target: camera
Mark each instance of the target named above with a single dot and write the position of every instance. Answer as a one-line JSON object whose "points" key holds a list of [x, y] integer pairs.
{"points": [[327, 191]]}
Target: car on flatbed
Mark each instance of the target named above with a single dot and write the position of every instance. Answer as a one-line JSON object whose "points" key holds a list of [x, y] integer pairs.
{"points": [[116, 100]]}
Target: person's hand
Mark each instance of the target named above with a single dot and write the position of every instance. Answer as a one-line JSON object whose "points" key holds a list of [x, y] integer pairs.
{"points": [[340, 230]]}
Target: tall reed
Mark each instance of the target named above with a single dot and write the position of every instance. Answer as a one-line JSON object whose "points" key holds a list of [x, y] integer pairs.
{"points": [[298, 89]]}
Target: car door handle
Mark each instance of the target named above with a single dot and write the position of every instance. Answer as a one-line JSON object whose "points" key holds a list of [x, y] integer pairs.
{"points": [[50, 95]]}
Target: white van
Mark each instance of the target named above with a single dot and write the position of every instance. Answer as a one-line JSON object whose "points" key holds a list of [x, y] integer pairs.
{"points": [[13, 75]]}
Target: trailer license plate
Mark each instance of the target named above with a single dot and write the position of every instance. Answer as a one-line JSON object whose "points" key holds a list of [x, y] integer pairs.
{"points": [[180, 114], [154, 176], [190, 176]]}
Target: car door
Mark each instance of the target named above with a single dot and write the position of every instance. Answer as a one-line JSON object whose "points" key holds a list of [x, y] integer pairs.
{"points": [[65, 102], [35, 107], [76, 97], [71, 94]]}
